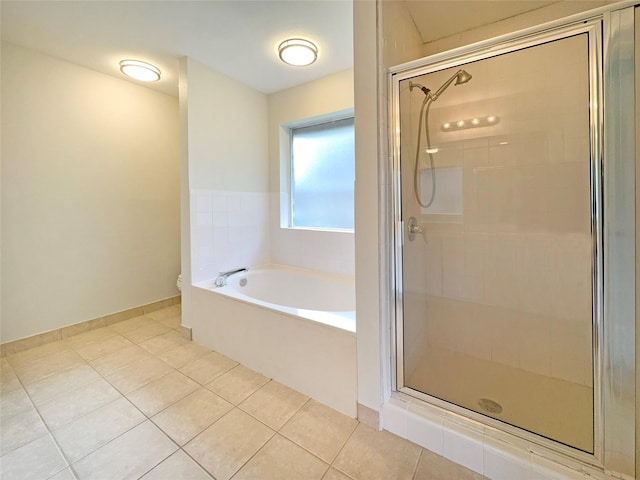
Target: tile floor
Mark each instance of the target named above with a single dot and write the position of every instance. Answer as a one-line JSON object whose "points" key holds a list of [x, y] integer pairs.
{"points": [[136, 400]]}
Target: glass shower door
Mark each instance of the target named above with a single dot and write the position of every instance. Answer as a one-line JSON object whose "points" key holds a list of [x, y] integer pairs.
{"points": [[497, 263]]}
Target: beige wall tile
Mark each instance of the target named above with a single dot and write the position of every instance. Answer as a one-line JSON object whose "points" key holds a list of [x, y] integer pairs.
{"points": [[223, 448], [123, 316], [188, 417]]}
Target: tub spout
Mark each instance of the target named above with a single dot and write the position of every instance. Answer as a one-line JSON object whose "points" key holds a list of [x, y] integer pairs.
{"points": [[221, 281]]}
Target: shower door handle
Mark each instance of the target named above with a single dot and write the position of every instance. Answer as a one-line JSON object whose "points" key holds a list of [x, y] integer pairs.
{"points": [[413, 228]]}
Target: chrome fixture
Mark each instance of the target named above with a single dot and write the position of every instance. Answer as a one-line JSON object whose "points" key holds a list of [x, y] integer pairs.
{"points": [[414, 228], [221, 281], [460, 77]]}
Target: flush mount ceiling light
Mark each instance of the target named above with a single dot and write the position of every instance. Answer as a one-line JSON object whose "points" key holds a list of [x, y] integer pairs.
{"points": [[298, 52], [142, 71]]}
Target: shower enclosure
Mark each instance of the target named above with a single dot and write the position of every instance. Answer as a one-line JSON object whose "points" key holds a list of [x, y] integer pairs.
{"points": [[498, 206]]}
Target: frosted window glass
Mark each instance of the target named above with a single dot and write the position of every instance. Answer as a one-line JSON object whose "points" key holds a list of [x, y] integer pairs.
{"points": [[323, 172]]}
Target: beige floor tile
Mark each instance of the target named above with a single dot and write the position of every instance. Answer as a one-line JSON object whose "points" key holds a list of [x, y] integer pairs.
{"points": [[59, 383], [145, 332], [274, 404], [224, 447], [20, 429], [177, 467], [373, 455], [113, 362], [86, 434], [320, 429], [74, 404], [237, 384], [42, 367], [143, 446], [163, 343], [132, 324], [65, 474], [207, 367], [93, 350], [33, 354], [179, 356], [435, 467], [334, 474], [281, 459], [138, 374], [170, 317], [162, 392], [82, 339], [8, 379], [20, 464], [13, 402], [188, 417]]}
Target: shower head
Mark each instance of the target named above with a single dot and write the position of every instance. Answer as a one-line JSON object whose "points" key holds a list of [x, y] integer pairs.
{"points": [[461, 76]]}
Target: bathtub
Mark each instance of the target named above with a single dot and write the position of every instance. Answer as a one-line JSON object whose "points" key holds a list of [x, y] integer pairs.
{"points": [[296, 326]]}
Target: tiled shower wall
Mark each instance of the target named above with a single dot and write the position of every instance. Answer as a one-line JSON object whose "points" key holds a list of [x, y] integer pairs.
{"points": [[508, 278], [228, 230]]}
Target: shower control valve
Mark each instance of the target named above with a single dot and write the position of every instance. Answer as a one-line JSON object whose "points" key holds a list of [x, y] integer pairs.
{"points": [[414, 228]]}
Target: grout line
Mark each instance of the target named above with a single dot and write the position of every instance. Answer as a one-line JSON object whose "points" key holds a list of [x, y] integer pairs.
{"points": [[415, 470], [46, 426]]}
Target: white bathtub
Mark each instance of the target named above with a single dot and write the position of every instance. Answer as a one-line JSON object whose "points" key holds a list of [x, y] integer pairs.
{"points": [[320, 297], [296, 326]]}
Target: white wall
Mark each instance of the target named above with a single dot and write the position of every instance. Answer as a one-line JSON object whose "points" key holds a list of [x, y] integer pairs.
{"points": [[332, 251], [225, 124], [373, 268], [90, 194]]}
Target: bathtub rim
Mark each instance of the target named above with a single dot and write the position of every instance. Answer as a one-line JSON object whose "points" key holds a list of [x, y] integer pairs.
{"points": [[342, 320]]}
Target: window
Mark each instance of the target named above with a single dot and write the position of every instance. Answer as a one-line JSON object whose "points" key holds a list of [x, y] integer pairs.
{"points": [[322, 175]]}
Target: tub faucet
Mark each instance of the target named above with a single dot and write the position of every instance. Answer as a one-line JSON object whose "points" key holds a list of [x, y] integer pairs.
{"points": [[221, 281]]}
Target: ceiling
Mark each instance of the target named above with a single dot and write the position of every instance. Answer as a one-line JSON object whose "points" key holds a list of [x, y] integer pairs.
{"points": [[234, 37], [436, 19], [237, 38]]}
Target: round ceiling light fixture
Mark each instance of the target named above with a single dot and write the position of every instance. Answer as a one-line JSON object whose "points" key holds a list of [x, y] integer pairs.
{"points": [[298, 52], [142, 71]]}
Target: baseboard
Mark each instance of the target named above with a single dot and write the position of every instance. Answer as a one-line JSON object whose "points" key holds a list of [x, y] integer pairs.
{"points": [[16, 346], [368, 416]]}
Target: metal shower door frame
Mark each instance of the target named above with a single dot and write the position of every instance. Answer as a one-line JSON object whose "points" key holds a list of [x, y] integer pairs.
{"points": [[610, 42]]}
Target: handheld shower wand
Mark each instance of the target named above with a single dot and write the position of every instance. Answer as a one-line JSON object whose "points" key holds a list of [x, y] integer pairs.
{"points": [[460, 77]]}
